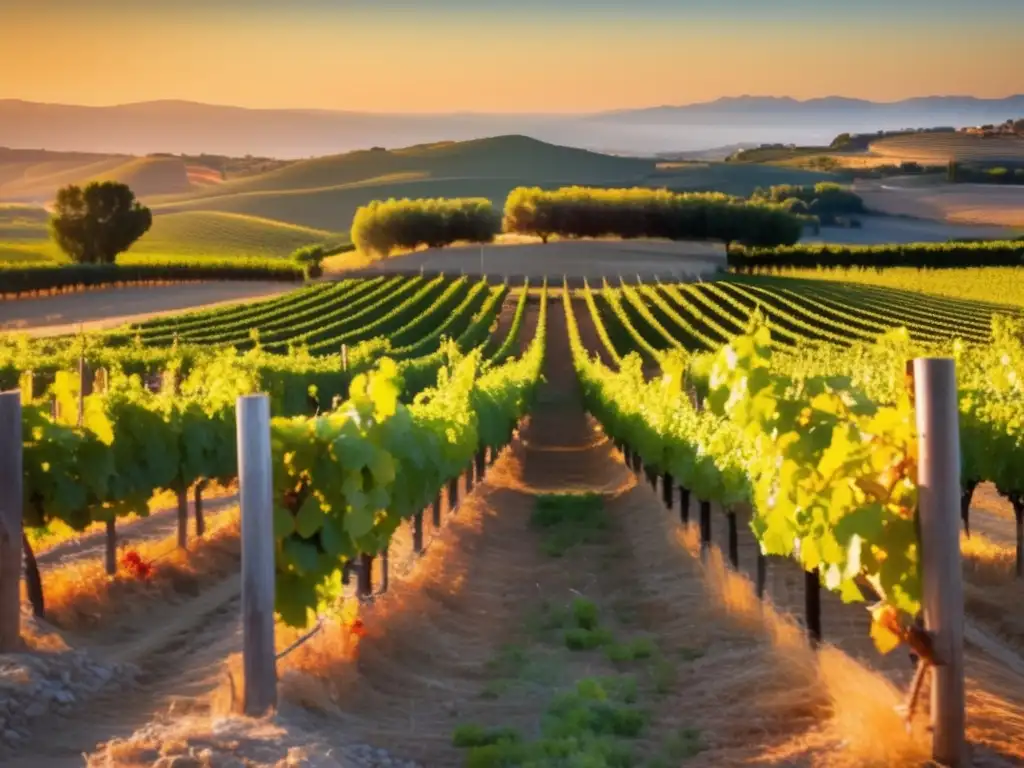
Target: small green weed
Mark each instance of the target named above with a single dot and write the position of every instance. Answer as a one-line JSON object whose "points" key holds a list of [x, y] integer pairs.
{"points": [[665, 676], [584, 727], [472, 735], [635, 650], [691, 654], [568, 519], [684, 744], [579, 639]]}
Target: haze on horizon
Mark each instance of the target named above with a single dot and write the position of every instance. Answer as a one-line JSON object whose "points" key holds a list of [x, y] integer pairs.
{"points": [[503, 55]]}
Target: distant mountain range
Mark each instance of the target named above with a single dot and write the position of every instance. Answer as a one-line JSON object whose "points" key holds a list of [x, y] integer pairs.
{"points": [[187, 127]]}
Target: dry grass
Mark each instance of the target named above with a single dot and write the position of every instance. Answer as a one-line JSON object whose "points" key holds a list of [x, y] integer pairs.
{"points": [[57, 532], [992, 591], [81, 596], [772, 699]]}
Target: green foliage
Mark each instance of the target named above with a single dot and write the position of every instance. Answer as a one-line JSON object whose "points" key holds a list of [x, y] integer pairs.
{"points": [[18, 278], [382, 227], [94, 225], [828, 472], [640, 212], [825, 199], [568, 519], [591, 725]]}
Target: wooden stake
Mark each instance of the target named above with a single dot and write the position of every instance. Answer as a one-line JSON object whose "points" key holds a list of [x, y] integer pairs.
{"points": [[110, 549], [453, 494], [705, 528], [183, 519], [417, 533], [197, 498], [11, 500], [684, 505], [33, 581], [437, 511], [938, 477], [667, 487], [364, 584], [762, 573], [812, 606], [256, 497], [734, 547]]}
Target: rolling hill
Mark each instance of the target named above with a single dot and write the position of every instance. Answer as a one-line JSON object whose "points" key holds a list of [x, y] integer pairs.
{"points": [[310, 201], [179, 126], [35, 175]]}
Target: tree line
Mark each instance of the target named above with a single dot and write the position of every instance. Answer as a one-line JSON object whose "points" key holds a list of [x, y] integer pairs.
{"points": [[962, 254], [383, 227]]}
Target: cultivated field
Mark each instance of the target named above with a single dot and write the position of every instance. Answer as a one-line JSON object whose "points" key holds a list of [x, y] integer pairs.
{"points": [[939, 148], [534, 621], [109, 307], [592, 259], [973, 204]]}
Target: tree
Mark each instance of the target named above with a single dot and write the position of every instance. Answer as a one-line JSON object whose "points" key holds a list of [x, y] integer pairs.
{"points": [[95, 224]]}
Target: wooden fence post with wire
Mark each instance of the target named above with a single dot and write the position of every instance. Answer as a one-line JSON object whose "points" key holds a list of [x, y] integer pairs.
{"points": [[255, 493], [10, 520]]}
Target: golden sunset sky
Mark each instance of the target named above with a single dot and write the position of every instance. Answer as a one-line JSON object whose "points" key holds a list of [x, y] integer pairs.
{"points": [[498, 56]]}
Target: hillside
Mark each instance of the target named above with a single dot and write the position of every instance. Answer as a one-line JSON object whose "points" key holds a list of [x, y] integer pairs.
{"points": [[943, 147], [273, 212], [35, 176], [185, 127]]}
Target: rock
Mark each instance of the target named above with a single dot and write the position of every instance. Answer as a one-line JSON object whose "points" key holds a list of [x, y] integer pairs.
{"points": [[36, 709], [64, 697], [12, 737]]}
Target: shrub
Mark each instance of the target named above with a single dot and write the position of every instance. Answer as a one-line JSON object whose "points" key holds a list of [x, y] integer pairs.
{"points": [[311, 257], [642, 212], [382, 227]]}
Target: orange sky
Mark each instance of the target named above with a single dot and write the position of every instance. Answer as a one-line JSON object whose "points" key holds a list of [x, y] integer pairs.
{"points": [[373, 60]]}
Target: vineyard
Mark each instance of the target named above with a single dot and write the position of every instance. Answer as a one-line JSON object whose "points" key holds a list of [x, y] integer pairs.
{"points": [[356, 417], [943, 147]]}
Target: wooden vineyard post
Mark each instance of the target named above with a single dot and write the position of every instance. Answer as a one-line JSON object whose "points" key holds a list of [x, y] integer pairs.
{"points": [[705, 528], [385, 571], [197, 498], [182, 518], [667, 487], [481, 465], [734, 546], [467, 476], [417, 533], [11, 500], [762, 573], [684, 505], [938, 477], [437, 511], [256, 497], [364, 584], [453, 494], [110, 550], [344, 357], [812, 606]]}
